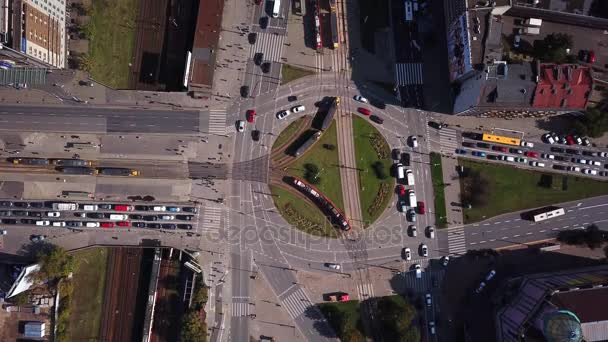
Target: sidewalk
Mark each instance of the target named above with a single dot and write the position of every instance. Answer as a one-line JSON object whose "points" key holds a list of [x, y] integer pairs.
{"points": [[451, 190]]}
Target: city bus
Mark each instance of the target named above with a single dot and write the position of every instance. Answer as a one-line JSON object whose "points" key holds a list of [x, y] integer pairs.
{"points": [[501, 140], [546, 213]]}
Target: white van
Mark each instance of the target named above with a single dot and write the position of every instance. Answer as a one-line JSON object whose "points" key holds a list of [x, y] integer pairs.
{"points": [[90, 207], [400, 171], [410, 177], [119, 217], [412, 197]]}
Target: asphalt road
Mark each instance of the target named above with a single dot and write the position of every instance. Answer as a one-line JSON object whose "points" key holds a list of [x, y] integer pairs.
{"points": [[98, 120]]}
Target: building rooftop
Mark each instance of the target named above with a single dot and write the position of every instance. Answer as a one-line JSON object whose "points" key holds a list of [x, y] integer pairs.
{"points": [[588, 304], [206, 36], [563, 86]]}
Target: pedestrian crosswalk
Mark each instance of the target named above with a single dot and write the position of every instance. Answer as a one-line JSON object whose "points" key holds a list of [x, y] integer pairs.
{"points": [[448, 140], [241, 309], [408, 73], [297, 303], [217, 121], [365, 291], [271, 45], [211, 218], [456, 241]]}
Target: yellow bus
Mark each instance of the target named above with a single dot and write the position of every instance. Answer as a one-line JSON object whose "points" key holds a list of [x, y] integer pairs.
{"points": [[501, 140]]}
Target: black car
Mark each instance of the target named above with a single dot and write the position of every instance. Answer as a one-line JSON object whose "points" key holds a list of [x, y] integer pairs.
{"points": [[34, 214], [105, 206], [96, 215], [73, 224], [376, 119], [21, 204], [190, 209], [557, 149], [5, 213], [245, 91], [153, 225], [184, 217], [571, 151], [135, 217], [405, 159], [560, 158], [435, 125], [266, 67], [168, 226], [138, 224], [6, 204], [27, 221], [184, 226], [151, 218], [255, 135], [292, 98], [559, 167], [38, 205], [468, 144], [19, 213], [396, 153], [9, 221], [143, 207], [252, 37], [589, 153], [483, 145], [258, 58], [264, 22]]}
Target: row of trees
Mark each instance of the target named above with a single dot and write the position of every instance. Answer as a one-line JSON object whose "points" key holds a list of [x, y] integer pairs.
{"points": [[194, 328]]}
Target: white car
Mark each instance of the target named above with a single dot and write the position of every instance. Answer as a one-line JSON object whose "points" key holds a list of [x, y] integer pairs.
{"points": [[414, 141], [360, 99], [521, 160], [333, 266], [573, 168], [282, 114], [58, 224], [446, 260], [490, 275], [482, 285], [590, 172], [92, 224], [595, 163], [429, 300], [425, 250], [298, 109], [407, 254], [52, 214], [537, 164], [167, 217], [431, 231], [159, 208], [548, 138], [418, 271], [602, 154], [3, 232], [43, 223], [547, 156], [526, 144], [240, 126], [37, 238], [510, 159]]}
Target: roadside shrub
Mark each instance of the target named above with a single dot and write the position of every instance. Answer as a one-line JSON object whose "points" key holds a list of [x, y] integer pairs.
{"points": [[379, 170]]}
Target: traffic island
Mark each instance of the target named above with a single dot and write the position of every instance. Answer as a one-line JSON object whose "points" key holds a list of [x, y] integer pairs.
{"points": [[441, 219]]}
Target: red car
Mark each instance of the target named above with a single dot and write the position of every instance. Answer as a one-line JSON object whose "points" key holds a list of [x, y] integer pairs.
{"points": [[401, 190], [531, 154], [364, 111], [123, 224], [570, 140], [421, 208], [123, 207], [591, 58], [499, 148], [250, 115], [107, 225]]}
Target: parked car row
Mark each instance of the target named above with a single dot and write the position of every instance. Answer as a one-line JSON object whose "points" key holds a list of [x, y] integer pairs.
{"points": [[94, 224], [554, 138]]}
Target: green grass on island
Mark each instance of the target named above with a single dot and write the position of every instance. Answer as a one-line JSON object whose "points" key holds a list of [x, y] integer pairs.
{"points": [[327, 161], [112, 40], [301, 214], [288, 132], [290, 73], [507, 189], [371, 148], [89, 286], [441, 220]]}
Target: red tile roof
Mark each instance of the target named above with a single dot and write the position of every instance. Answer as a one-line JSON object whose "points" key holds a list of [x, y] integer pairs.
{"points": [[562, 86]]}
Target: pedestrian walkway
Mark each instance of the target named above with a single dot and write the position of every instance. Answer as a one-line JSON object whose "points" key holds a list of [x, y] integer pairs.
{"points": [[365, 291], [217, 121], [296, 303], [448, 140], [408, 73], [451, 190], [456, 241], [271, 45], [211, 219]]}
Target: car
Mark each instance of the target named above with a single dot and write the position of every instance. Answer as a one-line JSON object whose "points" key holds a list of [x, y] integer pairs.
{"points": [[459, 151], [168, 226], [9, 221], [537, 164], [53, 214], [37, 238], [250, 115], [402, 206], [510, 159], [255, 135], [573, 168], [95, 215], [19, 213], [123, 224], [503, 158], [421, 208], [184, 226], [572, 151], [413, 231], [468, 144], [153, 225], [298, 109], [264, 22], [5, 213], [245, 91], [590, 172], [107, 224], [594, 163], [159, 208], [166, 217], [558, 149], [429, 300], [82, 215], [577, 140], [588, 153], [531, 154], [190, 209], [37, 205], [586, 142], [480, 288], [578, 160], [364, 111], [292, 98], [570, 140], [252, 37], [424, 250], [499, 148], [135, 217], [21, 204], [184, 217], [591, 57], [490, 275], [6, 204], [483, 145], [58, 224], [258, 57], [562, 140], [547, 156], [526, 144], [516, 40], [143, 208], [445, 261], [27, 221], [405, 159], [478, 154], [74, 224], [401, 190], [92, 224], [413, 141], [266, 66], [603, 173], [150, 218], [560, 158], [174, 209], [106, 206], [583, 55], [432, 327], [559, 167], [360, 98], [138, 224], [89, 207], [548, 138], [240, 126], [516, 151], [407, 254], [430, 231], [376, 119], [333, 266], [411, 214], [521, 160], [418, 270], [436, 125], [120, 207], [42, 223], [602, 154], [282, 114]]}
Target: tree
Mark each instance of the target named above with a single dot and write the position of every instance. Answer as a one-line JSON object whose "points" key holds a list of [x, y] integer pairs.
{"points": [[599, 8], [553, 48], [55, 264], [380, 170], [193, 329], [593, 124]]}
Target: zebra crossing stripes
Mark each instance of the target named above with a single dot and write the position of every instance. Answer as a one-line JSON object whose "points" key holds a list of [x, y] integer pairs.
{"points": [[408, 73], [217, 121], [211, 218], [240, 309], [456, 241], [365, 291], [448, 140], [271, 45], [296, 303]]}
